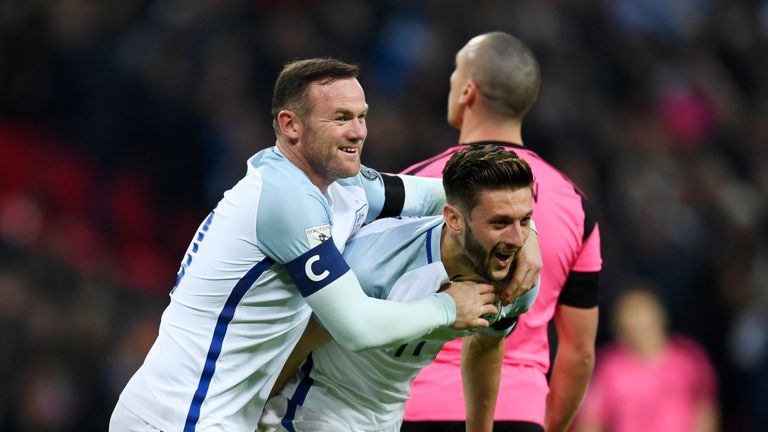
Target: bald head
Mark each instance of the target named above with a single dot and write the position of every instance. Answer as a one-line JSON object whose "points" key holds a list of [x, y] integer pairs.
{"points": [[505, 70]]}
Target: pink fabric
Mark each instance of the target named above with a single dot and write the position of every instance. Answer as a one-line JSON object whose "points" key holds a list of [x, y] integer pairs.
{"points": [[632, 394], [559, 217]]}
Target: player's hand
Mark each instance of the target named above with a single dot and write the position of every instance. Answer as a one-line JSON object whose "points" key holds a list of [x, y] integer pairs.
{"points": [[527, 269], [473, 300]]}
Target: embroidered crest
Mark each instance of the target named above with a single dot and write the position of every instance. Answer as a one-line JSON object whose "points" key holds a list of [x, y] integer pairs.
{"points": [[360, 217], [369, 173]]}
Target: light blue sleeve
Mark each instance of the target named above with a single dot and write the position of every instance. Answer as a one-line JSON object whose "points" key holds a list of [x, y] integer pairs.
{"points": [[290, 220]]}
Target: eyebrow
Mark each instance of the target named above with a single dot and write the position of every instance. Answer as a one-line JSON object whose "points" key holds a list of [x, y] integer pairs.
{"points": [[505, 218], [349, 111]]}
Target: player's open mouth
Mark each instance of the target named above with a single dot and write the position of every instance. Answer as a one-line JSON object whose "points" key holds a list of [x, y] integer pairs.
{"points": [[503, 257], [350, 150]]}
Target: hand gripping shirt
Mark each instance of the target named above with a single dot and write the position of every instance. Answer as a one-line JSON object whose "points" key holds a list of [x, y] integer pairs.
{"points": [[569, 239], [269, 250], [396, 259]]}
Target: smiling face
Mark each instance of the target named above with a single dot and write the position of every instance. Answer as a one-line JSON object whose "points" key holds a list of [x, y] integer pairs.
{"points": [[334, 129], [496, 229]]}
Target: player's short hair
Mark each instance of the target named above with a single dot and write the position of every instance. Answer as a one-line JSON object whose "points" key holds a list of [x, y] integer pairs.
{"points": [[293, 80], [482, 167], [507, 73]]}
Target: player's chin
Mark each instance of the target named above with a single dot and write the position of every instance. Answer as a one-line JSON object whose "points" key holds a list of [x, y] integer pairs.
{"points": [[499, 273], [349, 169], [454, 123]]}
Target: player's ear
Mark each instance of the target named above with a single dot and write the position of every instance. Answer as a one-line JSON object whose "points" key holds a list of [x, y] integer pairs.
{"points": [[469, 93], [290, 125], [454, 220]]}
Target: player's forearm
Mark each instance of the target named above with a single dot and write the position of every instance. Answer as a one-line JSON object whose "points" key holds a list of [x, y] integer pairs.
{"points": [[358, 322], [570, 377], [480, 372]]}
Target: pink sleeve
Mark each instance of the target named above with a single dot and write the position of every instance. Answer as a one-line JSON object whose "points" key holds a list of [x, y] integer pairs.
{"points": [[589, 259]]}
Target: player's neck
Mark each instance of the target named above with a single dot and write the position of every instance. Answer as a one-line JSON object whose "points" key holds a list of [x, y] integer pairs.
{"points": [[290, 152], [478, 128], [453, 257], [652, 346]]}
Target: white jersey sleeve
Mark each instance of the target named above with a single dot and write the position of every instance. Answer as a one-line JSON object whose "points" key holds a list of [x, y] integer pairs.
{"points": [[291, 220], [398, 195], [423, 196]]}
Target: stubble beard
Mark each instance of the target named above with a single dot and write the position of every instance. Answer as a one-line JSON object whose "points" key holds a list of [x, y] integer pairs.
{"points": [[323, 158], [480, 259]]}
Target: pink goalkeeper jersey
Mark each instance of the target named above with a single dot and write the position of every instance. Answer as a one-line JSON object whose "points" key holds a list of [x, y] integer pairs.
{"points": [[633, 394], [570, 245]]}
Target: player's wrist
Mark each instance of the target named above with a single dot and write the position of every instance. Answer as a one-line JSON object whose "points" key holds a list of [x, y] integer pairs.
{"points": [[449, 307]]}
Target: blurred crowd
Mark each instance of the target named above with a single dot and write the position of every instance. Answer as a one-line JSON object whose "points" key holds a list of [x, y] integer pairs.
{"points": [[121, 124]]}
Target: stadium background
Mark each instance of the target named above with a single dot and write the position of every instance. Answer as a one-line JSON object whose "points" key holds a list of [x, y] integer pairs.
{"points": [[121, 123]]}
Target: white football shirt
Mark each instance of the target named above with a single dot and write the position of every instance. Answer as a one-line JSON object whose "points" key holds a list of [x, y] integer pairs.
{"points": [[238, 306]]}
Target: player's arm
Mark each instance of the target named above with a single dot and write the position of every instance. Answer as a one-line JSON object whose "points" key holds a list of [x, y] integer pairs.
{"points": [[358, 322], [481, 358], [401, 195], [528, 264], [522, 302], [314, 337], [297, 234], [576, 317], [575, 359]]}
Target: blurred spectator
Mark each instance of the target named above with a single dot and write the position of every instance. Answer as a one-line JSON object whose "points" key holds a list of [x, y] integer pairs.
{"points": [[649, 380]]}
